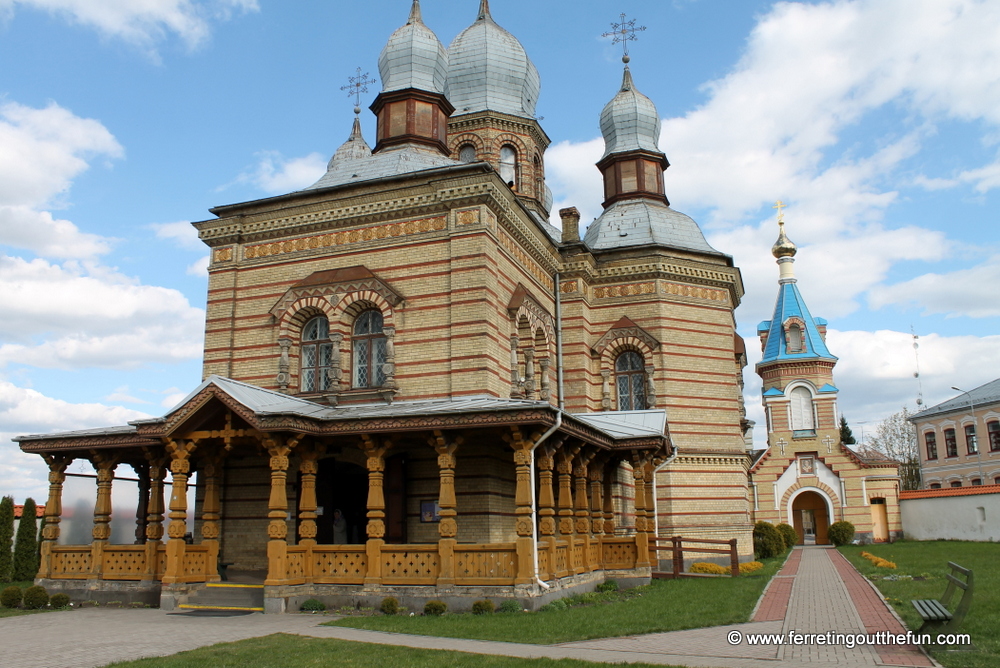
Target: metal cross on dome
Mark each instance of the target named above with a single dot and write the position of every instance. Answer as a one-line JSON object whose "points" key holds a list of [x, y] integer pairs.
{"points": [[779, 205], [357, 85], [624, 32]]}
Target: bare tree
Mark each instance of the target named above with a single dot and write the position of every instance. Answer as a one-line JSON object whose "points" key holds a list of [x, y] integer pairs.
{"points": [[896, 438]]}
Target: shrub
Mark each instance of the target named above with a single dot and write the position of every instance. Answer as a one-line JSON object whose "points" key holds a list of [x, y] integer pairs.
{"points": [[59, 600], [706, 567], [841, 533], [26, 544], [35, 597], [751, 566], [6, 538], [435, 608], [483, 607], [312, 605], [389, 606], [558, 604], [510, 605], [11, 597], [878, 562], [608, 585], [767, 541], [787, 532]]}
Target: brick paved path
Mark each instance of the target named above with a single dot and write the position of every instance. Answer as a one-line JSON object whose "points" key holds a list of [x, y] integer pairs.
{"points": [[816, 591]]}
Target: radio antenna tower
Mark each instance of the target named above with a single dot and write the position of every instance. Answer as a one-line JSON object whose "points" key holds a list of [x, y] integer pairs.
{"points": [[916, 374]]}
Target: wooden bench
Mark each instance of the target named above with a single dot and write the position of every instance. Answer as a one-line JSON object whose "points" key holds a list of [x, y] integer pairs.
{"points": [[935, 613]]}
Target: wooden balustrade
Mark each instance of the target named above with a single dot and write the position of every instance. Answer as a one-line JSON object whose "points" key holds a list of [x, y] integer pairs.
{"points": [[410, 564], [118, 562], [618, 553], [124, 562], [71, 562], [486, 564]]}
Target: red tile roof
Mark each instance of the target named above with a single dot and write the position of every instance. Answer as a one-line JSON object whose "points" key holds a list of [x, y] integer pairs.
{"points": [[949, 491], [39, 511]]}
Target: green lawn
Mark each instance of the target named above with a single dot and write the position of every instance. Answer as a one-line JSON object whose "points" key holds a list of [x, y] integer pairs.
{"points": [[930, 559], [288, 651], [665, 605]]}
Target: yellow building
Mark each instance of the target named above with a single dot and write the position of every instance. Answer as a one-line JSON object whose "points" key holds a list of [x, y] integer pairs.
{"points": [[494, 406], [806, 477]]}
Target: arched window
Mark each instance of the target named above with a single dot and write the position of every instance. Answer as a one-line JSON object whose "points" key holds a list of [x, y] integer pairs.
{"points": [[508, 165], [467, 153], [630, 378], [317, 356], [368, 344], [935, 485], [539, 180], [794, 338], [802, 410]]}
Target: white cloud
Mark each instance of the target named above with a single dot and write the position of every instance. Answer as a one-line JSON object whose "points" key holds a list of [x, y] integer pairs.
{"points": [[73, 316], [25, 411], [276, 174], [182, 234], [43, 151], [142, 23], [121, 395], [199, 267], [967, 292]]}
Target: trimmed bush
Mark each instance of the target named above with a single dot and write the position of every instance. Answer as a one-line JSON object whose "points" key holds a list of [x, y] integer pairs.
{"points": [[435, 608], [11, 597], [767, 540], [312, 605], [389, 606], [26, 544], [483, 607], [840, 533], [750, 567], [59, 600], [510, 605], [558, 604], [608, 585], [6, 538], [787, 532], [707, 567], [35, 598], [878, 562]]}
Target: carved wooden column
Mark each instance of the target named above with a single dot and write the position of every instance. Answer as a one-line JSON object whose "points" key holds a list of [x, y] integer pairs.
{"points": [[277, 509], [53, 510], [375, 453], [582, 524], [522, 501], [105, 467], [596, 476], [210, 508], [650, 480], [564, 465], [308, 469], [180, 466], [610, 477], [448, 527], [546, 506], [142, 507], [154, 519], [641, 537]]}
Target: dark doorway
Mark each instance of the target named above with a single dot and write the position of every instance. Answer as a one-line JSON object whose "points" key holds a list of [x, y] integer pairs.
{"points": [[343, 486], [809, 514], [395, 499]]}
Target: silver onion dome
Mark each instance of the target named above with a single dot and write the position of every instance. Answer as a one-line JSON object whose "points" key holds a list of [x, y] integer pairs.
{"points": [[414, 58], [488, 69], [630, 122]]}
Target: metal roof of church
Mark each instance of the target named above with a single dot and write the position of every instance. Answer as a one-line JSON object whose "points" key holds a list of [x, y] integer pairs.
{"points": [[414, 58], [639, 222], [390, 161], [984, 394], [630, 122], [791, 304]]}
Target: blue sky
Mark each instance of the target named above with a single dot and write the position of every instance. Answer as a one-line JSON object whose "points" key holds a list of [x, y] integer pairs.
{"points": [[878, 122]]}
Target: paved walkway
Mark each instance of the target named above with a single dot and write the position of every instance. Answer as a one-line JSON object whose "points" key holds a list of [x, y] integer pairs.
{"points": [[817, 591]]}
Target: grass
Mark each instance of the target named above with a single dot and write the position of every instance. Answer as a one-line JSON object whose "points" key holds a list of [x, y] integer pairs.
{"points": [[929, 559], [288, 651], [9, 612], [665, 605]]}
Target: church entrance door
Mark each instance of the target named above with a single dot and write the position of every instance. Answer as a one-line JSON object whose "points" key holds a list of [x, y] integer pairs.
{"points": [[880, 521], [811, 519], [341, 486]]}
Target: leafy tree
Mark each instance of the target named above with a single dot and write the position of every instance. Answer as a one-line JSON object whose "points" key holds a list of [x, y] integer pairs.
{"points": [[846, 435], [26, 543], [896, 438], [6, 536]]}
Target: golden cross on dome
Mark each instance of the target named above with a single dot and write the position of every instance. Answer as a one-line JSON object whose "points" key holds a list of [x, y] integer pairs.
{"points": [[356, 86], [624, 32], [779, 205]]}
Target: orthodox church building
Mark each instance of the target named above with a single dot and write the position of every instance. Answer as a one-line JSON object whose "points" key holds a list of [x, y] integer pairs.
{"points": [[414, 384], [807, 477]]}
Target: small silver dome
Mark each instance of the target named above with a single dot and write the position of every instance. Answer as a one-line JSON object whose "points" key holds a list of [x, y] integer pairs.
{"points": [[488, 69], [414, 58], [630, 121], [639, 222], [354, 148]]}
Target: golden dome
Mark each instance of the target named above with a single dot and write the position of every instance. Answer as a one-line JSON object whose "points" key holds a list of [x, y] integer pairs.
{"points": [[783, 247]]}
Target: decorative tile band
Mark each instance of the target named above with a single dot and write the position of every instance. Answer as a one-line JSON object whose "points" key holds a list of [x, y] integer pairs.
{"points": [[695, 291], [347, 237], [526, 260], [223, 254], [627, 290]]}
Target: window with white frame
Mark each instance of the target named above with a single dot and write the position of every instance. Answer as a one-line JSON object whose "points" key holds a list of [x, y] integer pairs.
{"points": [[368, 346], [801, 408], [508, 165], [971, 445], [930, 440], [630, 379], [316, 356]]}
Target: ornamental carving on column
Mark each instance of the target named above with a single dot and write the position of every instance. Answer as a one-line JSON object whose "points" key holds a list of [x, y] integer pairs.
{"points": [[284, 375]]}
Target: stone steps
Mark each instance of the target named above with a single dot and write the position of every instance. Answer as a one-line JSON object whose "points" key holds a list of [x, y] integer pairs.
{"points": [[227, 596]]}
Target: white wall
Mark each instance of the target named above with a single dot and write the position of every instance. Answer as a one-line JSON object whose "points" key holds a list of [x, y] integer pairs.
{"points": [[971, 517]]}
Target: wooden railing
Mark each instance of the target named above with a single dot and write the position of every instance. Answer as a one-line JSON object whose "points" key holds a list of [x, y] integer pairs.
{"points": [[618, 553], [494, 564], [117, 562], [676, 545], [410, 564], [70, 562]]}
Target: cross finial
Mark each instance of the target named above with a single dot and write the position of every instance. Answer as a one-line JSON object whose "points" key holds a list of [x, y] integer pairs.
{"points": [[357, 85], [624, 32], [779, 205]]}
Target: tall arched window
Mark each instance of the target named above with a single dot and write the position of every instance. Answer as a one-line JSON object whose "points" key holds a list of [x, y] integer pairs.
{"points": [[802, 410], [630, 378], [794, 338], [467, 153], [539, 180], [508, 165], [368, 344], [317, 356]]}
